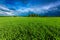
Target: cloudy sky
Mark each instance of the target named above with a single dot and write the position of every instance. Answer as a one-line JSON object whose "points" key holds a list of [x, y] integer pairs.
{"points": [[22, 7]]}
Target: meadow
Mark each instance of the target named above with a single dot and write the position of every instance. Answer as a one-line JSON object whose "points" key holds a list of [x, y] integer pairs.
{"points": [[29, 28]]}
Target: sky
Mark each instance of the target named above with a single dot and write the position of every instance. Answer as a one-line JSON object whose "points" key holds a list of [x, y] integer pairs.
{"points": [[23, 7]]}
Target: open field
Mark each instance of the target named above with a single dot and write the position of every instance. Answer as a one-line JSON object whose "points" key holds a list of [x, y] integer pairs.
{"points": [[29, 28]]}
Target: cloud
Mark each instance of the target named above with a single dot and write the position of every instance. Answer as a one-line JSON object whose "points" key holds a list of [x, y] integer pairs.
{"points": [[24, 10], [51, 5], [5, 11], [39, 10]]}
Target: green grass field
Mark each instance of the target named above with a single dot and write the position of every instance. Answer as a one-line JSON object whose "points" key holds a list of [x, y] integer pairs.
{"points": [[29, 28]]}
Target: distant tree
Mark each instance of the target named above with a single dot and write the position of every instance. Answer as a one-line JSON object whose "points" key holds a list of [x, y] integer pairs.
{"points": [[33, 15]]}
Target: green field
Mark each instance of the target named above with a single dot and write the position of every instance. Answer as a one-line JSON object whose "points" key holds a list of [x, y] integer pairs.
{"points": [[29, 28]]}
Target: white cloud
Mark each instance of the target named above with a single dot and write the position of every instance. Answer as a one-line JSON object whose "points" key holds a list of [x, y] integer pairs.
{"points": [[3, 7], [6, 11], [51, 5]]}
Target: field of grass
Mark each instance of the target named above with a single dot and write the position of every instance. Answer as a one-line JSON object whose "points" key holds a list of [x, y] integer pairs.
{"points": [[29, 28]]}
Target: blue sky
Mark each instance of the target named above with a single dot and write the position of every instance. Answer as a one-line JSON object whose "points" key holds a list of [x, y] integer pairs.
{"points": [[17, 7]]}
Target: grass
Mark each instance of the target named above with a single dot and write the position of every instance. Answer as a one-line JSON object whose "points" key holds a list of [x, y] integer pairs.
{"points": [[29, 28]]}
